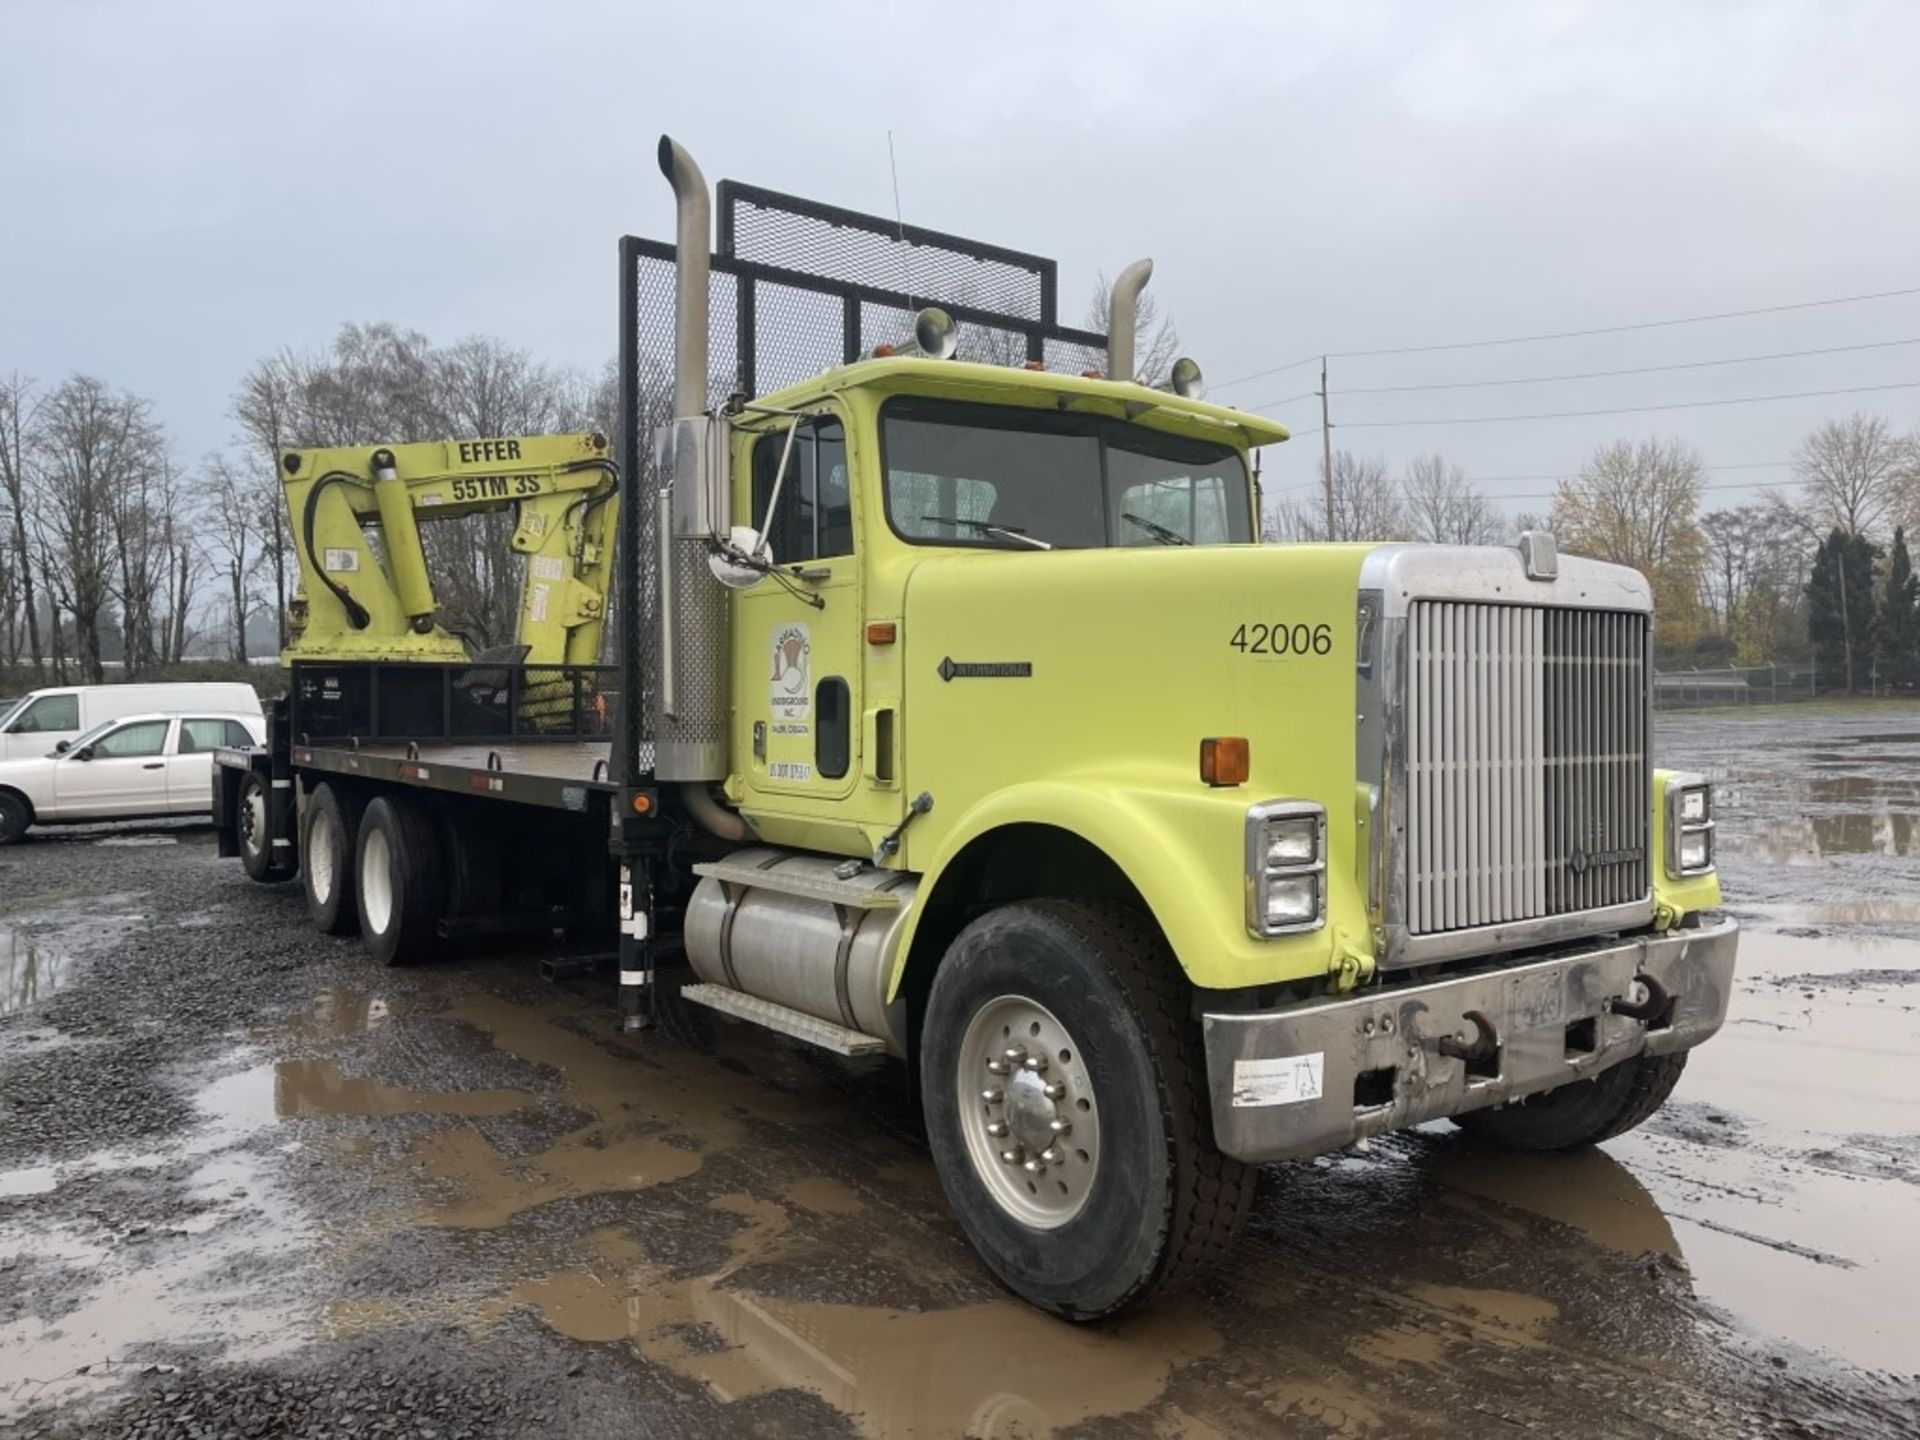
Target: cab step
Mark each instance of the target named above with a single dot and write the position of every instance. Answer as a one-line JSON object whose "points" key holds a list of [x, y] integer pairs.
{"points": [[810, 887], [801, 1026]]}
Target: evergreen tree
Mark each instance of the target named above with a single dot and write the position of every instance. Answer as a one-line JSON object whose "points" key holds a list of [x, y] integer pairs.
{"points": [[1840, 609], [1898, 639]]}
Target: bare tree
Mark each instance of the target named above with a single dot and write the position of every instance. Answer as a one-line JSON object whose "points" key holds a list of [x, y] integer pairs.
{"points": [[96, 442], [233, 530], [1853, 473], [1366, 505], [19, 437], [1443, 507], [1156, 343]]}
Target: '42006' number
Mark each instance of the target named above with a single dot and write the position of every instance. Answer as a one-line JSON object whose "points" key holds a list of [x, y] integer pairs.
{"points": [[1283, 639]]}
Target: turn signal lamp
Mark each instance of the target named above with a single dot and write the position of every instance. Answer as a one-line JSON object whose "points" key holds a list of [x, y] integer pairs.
{"points": [[882, 632], [1225, 760]]}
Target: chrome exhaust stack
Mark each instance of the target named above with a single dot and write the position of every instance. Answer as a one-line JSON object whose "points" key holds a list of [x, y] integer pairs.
{"points": [[1123, 311], [688, 679]]}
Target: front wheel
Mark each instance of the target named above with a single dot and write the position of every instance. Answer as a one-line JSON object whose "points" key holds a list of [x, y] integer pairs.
{"points": [[1583, 1113], [1064, 1084], [15, 817]]}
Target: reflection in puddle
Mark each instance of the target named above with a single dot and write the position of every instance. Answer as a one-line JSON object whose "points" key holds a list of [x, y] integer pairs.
{"points": [[1587, 1189], [303, 1089], [28, 971], [998, 1369]]}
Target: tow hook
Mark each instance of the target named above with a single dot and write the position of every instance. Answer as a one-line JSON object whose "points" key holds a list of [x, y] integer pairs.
{"points": [[1484, 1046], [1655, 1010]]}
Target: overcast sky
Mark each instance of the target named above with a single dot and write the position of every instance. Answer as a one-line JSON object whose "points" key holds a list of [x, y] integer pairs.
{"points": [[185, 187]]}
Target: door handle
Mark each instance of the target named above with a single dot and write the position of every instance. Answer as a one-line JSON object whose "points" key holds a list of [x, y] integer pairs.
{"points": [[154, 765]]}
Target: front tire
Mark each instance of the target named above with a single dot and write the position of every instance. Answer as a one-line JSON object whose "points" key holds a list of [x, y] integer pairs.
{"points": [[1584, 1113], [1131, 1197], [399, 881], [15, 816]]}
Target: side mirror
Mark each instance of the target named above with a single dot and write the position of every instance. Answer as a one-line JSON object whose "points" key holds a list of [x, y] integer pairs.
{"points": [[85, 752], [743, 561], [63, 747]]}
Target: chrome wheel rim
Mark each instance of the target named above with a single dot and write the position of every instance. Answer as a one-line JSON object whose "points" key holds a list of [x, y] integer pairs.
{"points": [[376, 881], [253, 821], [1027, 1108], [320, 849]]}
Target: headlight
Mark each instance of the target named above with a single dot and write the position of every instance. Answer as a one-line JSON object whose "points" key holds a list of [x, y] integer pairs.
{"points": [[1689, 826], [1286, 867]]}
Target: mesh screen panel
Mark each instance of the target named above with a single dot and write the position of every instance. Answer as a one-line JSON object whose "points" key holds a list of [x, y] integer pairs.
{"points": [[762, 227]]}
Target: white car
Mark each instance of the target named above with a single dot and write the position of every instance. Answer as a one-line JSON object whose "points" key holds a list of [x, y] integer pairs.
{"points": [[132, 767]]}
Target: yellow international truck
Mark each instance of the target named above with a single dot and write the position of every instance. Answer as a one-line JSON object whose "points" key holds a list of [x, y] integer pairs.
{"points": [[959, 715]]}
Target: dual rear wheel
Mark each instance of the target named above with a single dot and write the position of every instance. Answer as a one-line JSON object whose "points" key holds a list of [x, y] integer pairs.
{"points": [[373, 866]]}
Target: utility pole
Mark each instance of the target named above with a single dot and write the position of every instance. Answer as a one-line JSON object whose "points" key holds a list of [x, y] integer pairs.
{"points": [[1326, 446]]}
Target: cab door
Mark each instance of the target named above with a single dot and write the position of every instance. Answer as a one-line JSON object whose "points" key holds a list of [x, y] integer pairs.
{"points": [[798, 634], [124, 772], [40, 725]]}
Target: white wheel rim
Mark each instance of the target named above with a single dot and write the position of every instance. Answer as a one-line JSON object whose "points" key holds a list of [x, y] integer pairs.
{"points": [[376, 880], [320, 847], [253, 821], [1027, 1109]]}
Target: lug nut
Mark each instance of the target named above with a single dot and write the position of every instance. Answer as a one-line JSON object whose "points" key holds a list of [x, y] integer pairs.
{"points": [[1013, 1156], [1034, 1167], [994, 1095], [1035, 1063], [1055, 1091], [1014, 1054], [1051, 1156], [1060, 1127], [998, 1129], [998, 1067]]}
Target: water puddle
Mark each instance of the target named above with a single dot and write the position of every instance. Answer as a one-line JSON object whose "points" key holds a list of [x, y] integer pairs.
{"points": [[32, 1180], [29, 971], [997, 1369], [310, 1089], [1588, 1189]]}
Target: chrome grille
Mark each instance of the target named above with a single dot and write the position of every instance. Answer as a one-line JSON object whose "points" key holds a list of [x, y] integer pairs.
{"points": [[1527, 766]]}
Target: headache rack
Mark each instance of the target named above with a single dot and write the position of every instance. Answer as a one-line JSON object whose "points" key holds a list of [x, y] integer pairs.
{"points": [[799, 287]]}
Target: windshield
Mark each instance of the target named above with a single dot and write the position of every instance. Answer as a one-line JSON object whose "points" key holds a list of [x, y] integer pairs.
{"points": [[1008, 478], [8, 705]]}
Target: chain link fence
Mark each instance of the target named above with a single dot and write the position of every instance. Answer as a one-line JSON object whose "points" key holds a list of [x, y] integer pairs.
{"points": [[1744, 685]]}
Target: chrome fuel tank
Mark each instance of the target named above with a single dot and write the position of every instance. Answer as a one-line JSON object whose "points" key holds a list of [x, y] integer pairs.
{"points": [[783, 926]]}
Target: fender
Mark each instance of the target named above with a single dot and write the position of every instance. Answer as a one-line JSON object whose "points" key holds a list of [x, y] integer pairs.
{"points": [[1185, 853]]}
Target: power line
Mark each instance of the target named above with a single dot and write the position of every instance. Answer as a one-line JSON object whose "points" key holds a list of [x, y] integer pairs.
{"points": [[1549, 495], [1607, 374], [1577, 334], [1626, 409]]}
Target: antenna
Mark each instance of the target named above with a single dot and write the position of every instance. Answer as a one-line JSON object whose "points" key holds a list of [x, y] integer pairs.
{"points": [[899, 223]]}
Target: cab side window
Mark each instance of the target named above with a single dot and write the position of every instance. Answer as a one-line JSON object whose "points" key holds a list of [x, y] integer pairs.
{"points": [[129, 742], [49, 712], [815, 518]]}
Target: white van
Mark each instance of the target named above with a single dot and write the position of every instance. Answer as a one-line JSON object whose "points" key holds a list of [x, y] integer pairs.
{"points": [[37, 723]]}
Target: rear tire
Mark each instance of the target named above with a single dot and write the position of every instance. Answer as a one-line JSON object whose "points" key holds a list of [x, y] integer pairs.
{"points": [[15, 816], [254, 834], [1092, 991], [400, 881], [328, 829], [1584, 1113]]}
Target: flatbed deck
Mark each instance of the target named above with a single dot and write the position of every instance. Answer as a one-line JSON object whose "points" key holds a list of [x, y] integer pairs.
{"points": [[557, 774]]}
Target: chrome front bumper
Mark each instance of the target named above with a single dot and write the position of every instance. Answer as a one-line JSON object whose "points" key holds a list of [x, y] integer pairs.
{"points": [[1292, 1083]]}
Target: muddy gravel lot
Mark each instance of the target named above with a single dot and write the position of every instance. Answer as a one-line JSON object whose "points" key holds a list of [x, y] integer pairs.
{"points": [[250, 1186]]}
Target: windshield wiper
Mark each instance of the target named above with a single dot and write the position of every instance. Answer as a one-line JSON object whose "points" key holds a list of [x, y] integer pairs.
{"points": [[1156, 529], [1007, 532]]}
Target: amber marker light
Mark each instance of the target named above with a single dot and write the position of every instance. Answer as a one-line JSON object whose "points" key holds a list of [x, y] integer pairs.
{"points": [[1225, 760], [882, 632], [643, 804]]}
